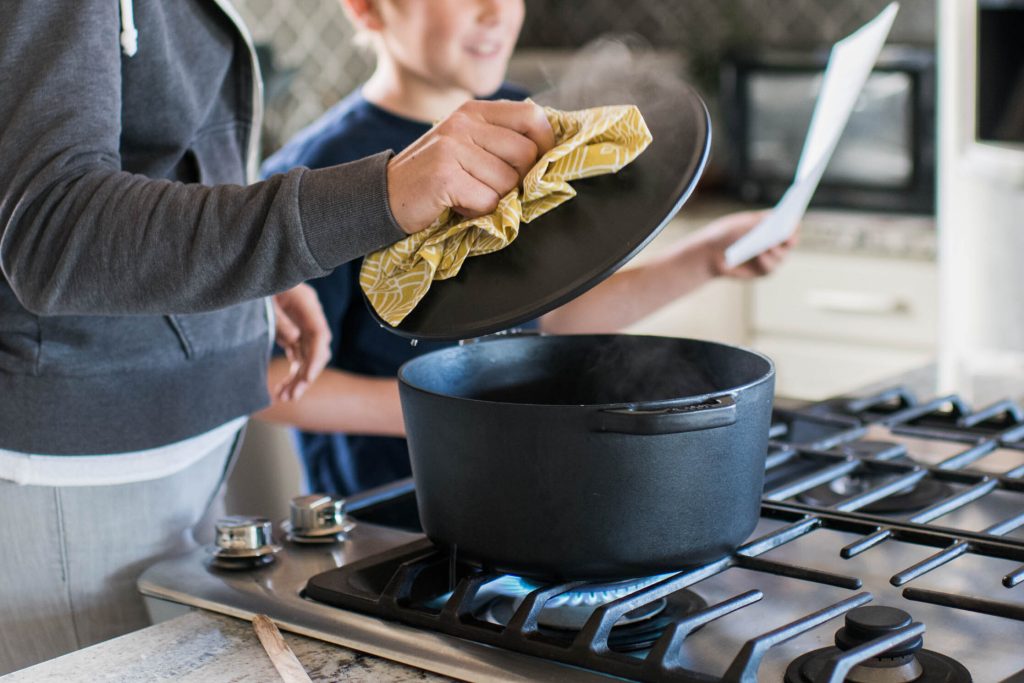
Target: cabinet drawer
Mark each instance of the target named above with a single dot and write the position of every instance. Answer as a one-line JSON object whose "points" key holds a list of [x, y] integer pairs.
{"points": [[715, 312], [814, 370], [850, 298]]}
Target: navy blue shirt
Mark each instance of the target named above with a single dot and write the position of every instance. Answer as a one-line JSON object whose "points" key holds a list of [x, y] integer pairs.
{"points": [[346, 463]]}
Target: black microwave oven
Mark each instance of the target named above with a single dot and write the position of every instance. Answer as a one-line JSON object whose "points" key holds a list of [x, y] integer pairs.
{"points": [[885, 159]]}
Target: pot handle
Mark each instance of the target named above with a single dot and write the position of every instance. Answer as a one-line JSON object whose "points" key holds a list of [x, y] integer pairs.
{"points": [[671, 418]]}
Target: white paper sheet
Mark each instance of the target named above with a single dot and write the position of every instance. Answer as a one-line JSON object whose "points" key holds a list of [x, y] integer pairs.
{"points": [[849, 66]]}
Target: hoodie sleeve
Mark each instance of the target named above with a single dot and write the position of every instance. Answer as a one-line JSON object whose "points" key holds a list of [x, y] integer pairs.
{"points": [[80, 236]]}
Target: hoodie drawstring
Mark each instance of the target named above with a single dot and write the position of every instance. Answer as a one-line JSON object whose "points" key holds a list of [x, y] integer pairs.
{"points": [[129, 36]]}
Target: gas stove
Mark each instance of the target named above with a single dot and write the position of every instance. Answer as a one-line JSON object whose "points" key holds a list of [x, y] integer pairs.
{"points": [[890, 548]]}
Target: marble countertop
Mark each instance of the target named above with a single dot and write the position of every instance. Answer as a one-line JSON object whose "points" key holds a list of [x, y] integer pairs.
{"points": [[861, 233], [205, 647]]}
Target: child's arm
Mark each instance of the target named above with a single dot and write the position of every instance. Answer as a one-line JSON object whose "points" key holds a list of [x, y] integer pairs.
{"points": [[631, 295], [301, 330], [338, 401]]}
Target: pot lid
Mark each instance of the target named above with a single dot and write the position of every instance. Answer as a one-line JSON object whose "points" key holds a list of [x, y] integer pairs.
{"points": [[572, 248]]}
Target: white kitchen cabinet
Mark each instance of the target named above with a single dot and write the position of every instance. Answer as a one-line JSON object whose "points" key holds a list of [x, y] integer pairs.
{"points": [[716, 312], [267, 474], [815, 369], [832, 320], [871, 300]]}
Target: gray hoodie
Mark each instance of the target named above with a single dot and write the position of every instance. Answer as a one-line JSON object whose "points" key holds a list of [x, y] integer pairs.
{"points": [[133, 255]]}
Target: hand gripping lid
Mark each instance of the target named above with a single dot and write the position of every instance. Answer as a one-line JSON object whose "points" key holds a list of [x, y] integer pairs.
{"points": [[572, 248]]}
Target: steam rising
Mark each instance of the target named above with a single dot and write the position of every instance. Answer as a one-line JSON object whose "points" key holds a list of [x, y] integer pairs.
{"points": [[595, 370], [621, 70], [616, 70], [619, 371]]}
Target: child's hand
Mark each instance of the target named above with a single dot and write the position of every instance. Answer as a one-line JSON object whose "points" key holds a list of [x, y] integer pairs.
{"points": [[302, 331], [721, 233], [467, 162]]}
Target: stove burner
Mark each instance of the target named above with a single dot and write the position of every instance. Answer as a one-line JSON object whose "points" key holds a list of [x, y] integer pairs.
{"points": [[868, 448], [921, 495], [917, 497], [907, 663], [564, 615], [571, 610]]}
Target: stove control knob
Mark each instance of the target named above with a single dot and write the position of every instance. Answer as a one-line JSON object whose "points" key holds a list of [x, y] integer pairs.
{"points": [[244, 534], [866, 623], [317, 514]]}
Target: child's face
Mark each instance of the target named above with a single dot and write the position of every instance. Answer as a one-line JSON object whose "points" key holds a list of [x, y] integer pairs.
{"points": [[463, 44]]}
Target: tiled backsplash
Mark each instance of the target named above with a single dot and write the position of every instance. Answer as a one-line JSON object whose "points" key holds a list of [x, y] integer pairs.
{"points": [[714, 24], [315, 37]]}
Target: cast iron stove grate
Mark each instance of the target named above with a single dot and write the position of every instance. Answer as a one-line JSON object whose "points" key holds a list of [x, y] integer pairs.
{"points": [[932, 485], [410, 584]]}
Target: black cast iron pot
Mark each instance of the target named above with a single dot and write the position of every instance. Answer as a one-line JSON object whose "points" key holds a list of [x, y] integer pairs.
{"points": [[588, 457]]}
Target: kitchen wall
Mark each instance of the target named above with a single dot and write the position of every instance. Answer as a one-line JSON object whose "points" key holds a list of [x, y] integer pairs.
{"points": [[981, 201], [696, 25], [315, 37]]}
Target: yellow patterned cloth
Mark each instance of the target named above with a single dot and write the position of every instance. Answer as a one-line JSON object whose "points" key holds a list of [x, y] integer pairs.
{"points": [[589, 142]]}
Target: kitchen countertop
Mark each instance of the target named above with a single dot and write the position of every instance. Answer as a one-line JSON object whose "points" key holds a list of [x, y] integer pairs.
{"points": [[205, 647], [861, 233]]}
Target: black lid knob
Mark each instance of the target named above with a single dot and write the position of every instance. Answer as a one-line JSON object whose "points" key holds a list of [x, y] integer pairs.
{"points": [[867, 623]]}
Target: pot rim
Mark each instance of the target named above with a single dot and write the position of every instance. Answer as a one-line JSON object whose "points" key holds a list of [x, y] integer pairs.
{"points": [[622, 405]]}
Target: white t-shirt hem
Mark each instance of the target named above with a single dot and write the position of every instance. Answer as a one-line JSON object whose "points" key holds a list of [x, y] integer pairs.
{"points": [[30, 469]]}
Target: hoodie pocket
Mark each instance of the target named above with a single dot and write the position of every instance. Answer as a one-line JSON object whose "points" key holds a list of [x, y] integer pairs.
{"points": [[91, 345], [204, 334], [72, 345]]}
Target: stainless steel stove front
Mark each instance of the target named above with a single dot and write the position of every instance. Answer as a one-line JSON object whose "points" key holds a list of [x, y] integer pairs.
{"points": [[275, 590], [990, 647], [985, 470]]}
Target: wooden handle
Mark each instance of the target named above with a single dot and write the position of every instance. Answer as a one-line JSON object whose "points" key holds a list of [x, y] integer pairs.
{"points": [[281, 656]]}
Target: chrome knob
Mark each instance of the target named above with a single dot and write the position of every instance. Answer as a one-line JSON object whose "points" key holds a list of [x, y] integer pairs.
{"points": [[317, 518], [241, 533], [316, 514]]}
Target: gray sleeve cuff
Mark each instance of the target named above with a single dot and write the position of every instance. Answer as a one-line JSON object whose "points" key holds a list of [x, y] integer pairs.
{"points": [[345, 212]]}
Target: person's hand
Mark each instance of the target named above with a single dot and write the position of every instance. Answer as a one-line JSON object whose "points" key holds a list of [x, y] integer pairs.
{"points": [[302, 331], [468, 162], [718, 235]]}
